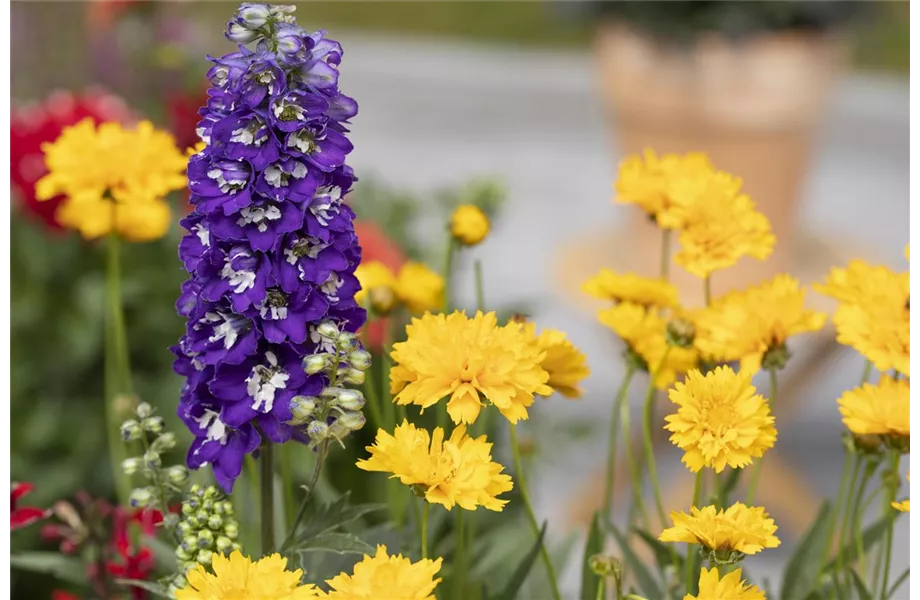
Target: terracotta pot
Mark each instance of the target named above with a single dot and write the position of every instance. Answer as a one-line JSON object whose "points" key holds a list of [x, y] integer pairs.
{"points": [[751, 105]]}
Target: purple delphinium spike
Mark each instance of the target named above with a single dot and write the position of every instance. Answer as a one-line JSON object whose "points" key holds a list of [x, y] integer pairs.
{"points": [[271, 250]]}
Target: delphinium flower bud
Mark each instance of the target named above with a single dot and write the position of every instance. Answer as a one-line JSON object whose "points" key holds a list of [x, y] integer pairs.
{"points": [[143, 410], [303, 409], [130, 466], [350, 400], [165, 442], [318, 430], [360, 359], [154, 424], [140, 497], [131, 430], [177, 474], [353, 376], [207, 526], [352, 421], [152, 460], [271, 249]]}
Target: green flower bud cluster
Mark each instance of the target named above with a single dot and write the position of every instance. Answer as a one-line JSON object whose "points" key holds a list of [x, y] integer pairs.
{"points": [[337, 411], [163, 481], [207, 526]]}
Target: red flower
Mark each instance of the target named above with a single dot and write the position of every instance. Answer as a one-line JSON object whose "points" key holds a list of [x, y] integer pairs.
{"points": [[182, 109], [375, 245], [25, 515], [62, 595], [33, 125], [131, 562]]}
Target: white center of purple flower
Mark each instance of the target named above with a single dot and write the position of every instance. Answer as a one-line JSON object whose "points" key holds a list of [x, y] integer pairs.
{"points": [[331, 287], [259, 215], [274, 304], [248, 132], [216, 430], [323, 343], [203, 236], [303, 140], [287, 110], [326, 203], [264, 381], [240, 281], [277, 175], [228, 327]]}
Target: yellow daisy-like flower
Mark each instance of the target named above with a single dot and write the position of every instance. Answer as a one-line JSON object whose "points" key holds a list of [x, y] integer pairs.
{"points": [[628, 287], [466, 359], [880, 409], [419, 288], [385, 577], [720, 421], [694, 198], [378, 286], [862, 283], [469, 225], [114, 180], [237, 577], [746, 326], [730, 587], [457, 471], [644, 330], [646, 180], [738, 528], [564, 362]]}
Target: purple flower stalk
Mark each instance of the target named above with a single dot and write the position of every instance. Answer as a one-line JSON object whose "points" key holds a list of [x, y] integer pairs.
{"points": [[271, 250]]}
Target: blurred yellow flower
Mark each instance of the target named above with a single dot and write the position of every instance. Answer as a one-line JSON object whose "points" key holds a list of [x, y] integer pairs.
{"points": [[646, 180], [114, 180], [469, 225], [720, 420], [880, 409], [467, 359], [419, 288], [378, 284], [738, 528], [694, 199], [861, 283], [457, 471], [644, 331], [730, 587], [749, 325], [237, 577], [564, 362], [628, 287], [385, 577]]}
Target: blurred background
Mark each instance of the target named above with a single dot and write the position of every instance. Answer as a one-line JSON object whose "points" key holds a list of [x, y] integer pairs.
{"points": [[525, 108]]}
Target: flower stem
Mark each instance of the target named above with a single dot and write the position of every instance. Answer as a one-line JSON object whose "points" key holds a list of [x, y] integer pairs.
{"points": [[117, 368], [267, 501], [758, 466], [845, 478], [480, 288], [846, 521], [893, 481], [601, 588], [460, 576], [647, 436], [317, 468], [287, 478], [612, 440], [424, 528], [867, 371], [665, 253], [856, 522], [534, 526], [688, 572], [634, 476], [448, 270]]}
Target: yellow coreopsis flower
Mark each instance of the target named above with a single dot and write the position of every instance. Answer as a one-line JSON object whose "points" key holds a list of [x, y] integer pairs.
{"points": [[646, 180], [693, 199], [385, 577], [378, 286], [879, 409], [720, 421], [730, 587], [419, 288], [457, 471], [114, 180], [738, 528], [469, 225], [236, 577], [628, 287], [644, 331], [564, 362], [746, 326], [465, 359]]}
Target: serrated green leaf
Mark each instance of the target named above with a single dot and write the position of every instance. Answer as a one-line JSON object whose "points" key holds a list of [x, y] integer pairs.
{"points": [[333, 541], [590, 581], [324, 518], [65, 568], [860, 586], [523, 568], [635, 566], [154, 588], [804, 567], [663, 554]]}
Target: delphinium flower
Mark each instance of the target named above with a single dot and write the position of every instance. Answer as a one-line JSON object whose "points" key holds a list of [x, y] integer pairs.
{"points": [[564, 363], [271, 248], [647, 180], [469, 225], [387, 577], [720, 421], [881, 409], [874, 313], [726, 535], [459, 470], [236, 577], [629, 287], [753, 326], [729, 587], [467, 359], [113, 179]]}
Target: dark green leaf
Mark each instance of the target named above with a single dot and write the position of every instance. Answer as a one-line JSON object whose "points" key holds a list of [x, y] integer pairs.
{"points": [[523, 568], [65, 568], [154, 588], [635, 567], [663, 555], [333, 541], [594, 545], [860, 586], [872, 535], [804, 567]]}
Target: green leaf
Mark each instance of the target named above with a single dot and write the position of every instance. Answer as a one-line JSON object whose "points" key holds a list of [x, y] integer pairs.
{"points": [[331, 516], [804, 565], [154, 588], [635, 566], [65, 568], [861, 588], [898, 582], [590, 581], [663, 555], [872, 535], [333, 541], [523, 568]]}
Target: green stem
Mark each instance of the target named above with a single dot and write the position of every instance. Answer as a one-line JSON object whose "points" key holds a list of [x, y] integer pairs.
{"points": [[448, 270], [612, 441], [647, 436], [534, 526], [317, 468], [755, 477], [460, 577], [688, 571], [117, 369], [601, 588], [370, 386], [665, 254], [634, 475], [846, 520], [389, 409], [867, 371], [845, 478], [424, 529], [287, 479], [856, 522], [267, 502], [480, 289], [893, 481]]}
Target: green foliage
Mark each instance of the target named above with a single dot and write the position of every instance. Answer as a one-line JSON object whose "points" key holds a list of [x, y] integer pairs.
{"points": [[804, 567], [590, 581], [60, 566], [523, 568], [635, 566]]}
